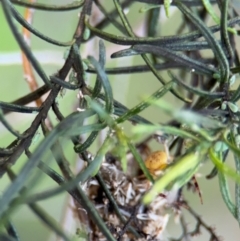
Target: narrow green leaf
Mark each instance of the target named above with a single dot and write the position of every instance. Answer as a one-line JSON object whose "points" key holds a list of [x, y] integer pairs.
{"points": [[6, 4], [105, 83], [237, 189], [139, 160], [94, 214], [64, 84], [84, 129], [165, 52], [215, 46], [226, 194], [141, 129], [143, 105], [194, 90], [61, 129], [167, 4], [102, 60], [231, 146], [19, 108], [187, 116], [102, 113], [224, 168], [79, 148], [8, 126], [49, 221], [95, 165], [210, 10], [29, 27], [125, 40], [47, 7]]}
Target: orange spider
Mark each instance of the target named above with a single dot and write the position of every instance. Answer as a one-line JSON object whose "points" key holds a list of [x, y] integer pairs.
{"points": [[156, 163]]}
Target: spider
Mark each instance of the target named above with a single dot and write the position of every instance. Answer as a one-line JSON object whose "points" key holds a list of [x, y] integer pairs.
{"points": [[158, 161]]}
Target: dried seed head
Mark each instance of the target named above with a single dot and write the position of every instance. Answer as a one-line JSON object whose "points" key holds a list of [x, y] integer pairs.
{"points": [[127, 191]]}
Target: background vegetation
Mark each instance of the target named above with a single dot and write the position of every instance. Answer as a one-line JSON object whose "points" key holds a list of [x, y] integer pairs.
{"points": [[203, 116]]}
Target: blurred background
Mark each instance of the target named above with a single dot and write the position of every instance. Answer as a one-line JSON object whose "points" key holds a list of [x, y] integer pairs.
{"points": [[61, 26]]}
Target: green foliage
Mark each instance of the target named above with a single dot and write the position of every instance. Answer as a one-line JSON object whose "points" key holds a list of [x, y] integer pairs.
{"points": [[204, 128]]}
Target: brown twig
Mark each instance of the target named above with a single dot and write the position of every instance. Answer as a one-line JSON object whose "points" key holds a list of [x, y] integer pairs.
{"points": [[27, 68], [200, 222]]}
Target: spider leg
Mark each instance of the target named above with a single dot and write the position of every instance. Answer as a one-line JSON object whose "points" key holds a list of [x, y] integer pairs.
{"points": [[197, 188]]}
